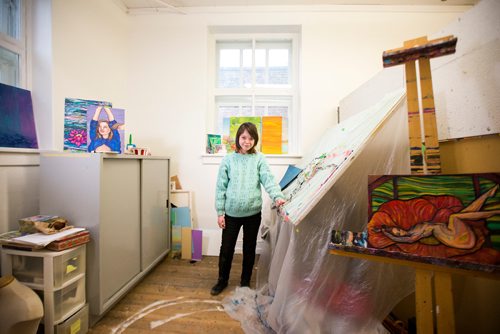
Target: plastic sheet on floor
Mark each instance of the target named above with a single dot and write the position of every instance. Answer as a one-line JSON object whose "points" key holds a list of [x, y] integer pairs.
{"points": [[250, 308]]}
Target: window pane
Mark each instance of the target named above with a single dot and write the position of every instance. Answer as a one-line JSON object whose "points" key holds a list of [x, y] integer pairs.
{"points": [[247, 68], [237, 106], [234, 65], [260, 66], [279, 69], [10, 18], [231, 106], [9, 67], [229, 68], [274, 68], [229, 58]]}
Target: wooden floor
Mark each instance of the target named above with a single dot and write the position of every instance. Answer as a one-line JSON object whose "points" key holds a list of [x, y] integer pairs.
{"points": [[175, 298]]}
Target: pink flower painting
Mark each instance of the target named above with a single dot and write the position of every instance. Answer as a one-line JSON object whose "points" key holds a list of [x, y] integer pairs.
{"points": [[78, 137]]}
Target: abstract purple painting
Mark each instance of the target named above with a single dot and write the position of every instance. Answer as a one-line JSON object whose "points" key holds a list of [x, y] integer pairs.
{"points": [[17, 122]]}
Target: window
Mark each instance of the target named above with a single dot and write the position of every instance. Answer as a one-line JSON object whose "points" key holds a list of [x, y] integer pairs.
{"points": [[12, 43], [255, 77]]}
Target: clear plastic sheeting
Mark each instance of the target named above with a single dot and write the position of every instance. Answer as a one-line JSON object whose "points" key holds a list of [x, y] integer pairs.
{"points": [[250, 308], [301, 288]]}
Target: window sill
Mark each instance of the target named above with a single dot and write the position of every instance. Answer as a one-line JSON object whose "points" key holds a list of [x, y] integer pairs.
{"points": [[272, 159], [19, 157]]}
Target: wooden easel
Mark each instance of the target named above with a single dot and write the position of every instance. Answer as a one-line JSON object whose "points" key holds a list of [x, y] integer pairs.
{"points": [[433, 286], [424, 152]]}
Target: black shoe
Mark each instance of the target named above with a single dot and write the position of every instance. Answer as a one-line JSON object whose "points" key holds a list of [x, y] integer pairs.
{"points": [[217, 288], [245, 284]]}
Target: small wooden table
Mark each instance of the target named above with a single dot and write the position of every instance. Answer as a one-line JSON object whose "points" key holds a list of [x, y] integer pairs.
{"points": [[425, 275]]}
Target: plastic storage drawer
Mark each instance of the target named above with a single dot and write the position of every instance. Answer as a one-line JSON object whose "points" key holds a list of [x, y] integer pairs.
{"points": [[66, 266], [67, 300], [78, 323]]}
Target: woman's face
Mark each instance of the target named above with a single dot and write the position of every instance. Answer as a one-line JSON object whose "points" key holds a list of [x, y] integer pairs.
{"points": [[104, 129], [246, 142]]}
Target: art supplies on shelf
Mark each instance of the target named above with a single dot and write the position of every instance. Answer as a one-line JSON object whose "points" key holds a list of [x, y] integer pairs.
{"points": [[70, 241], [39, 240], [43, 223], [214, 144]]}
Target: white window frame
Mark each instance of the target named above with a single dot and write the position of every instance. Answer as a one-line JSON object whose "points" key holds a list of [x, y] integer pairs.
{"points": [[213, 91], [20, 46]]}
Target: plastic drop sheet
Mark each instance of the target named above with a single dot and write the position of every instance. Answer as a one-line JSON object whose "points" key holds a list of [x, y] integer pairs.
{"points": [[301, 288]]}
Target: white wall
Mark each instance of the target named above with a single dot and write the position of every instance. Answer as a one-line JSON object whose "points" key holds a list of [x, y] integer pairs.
{"points": [[340, 50], [19, 183], [155, 67], [89, 55]]}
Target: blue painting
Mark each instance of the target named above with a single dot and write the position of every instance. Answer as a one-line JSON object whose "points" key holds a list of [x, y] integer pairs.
{"points": [[75, 123], [17, 122]]}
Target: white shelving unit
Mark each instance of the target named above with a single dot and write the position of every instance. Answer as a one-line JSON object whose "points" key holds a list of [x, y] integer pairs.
{"points": [[57, 277]]}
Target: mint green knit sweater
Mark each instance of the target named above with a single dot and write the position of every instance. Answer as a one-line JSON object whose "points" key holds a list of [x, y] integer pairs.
{"points": [[238, 191]]}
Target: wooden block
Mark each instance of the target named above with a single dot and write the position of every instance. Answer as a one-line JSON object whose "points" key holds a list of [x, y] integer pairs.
{"points": [[197, 238], [176, 241], [180, 217], [186, 243], [175, 179]]}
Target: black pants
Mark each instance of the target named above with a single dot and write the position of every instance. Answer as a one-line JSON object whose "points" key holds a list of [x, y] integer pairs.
{"points": [[229, 236]]}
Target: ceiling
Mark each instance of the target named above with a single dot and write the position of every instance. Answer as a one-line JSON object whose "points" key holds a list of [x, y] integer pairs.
{"points": [[177, 5]]}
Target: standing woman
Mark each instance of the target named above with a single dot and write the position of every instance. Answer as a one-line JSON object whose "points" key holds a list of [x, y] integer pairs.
{"points": [[238, 201]]}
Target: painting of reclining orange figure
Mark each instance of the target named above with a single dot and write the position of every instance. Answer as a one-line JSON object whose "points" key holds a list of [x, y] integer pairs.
{"points": [[436, 226]]}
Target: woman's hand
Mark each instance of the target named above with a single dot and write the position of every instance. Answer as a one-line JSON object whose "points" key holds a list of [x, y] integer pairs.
{"points": [[111, 117], [221, 221], [279, 202]]}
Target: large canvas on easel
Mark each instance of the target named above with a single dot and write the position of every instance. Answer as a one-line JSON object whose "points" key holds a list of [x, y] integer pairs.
{"points": [[333, 155]]}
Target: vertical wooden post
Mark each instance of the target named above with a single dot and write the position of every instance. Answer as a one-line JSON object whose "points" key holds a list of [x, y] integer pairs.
{"points": [[445, 313], [415, 131], [424, 302], [432, 156], [415, 134]]}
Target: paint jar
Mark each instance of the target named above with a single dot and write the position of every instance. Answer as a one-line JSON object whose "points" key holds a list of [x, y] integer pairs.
{"points": [[140, 151]]}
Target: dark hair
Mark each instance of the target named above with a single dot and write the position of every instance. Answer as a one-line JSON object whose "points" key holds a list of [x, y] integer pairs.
{"points": [[252, 131]]}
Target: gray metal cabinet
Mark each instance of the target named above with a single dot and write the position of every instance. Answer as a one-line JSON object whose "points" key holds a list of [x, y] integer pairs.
{"points": [[123, 201]]}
